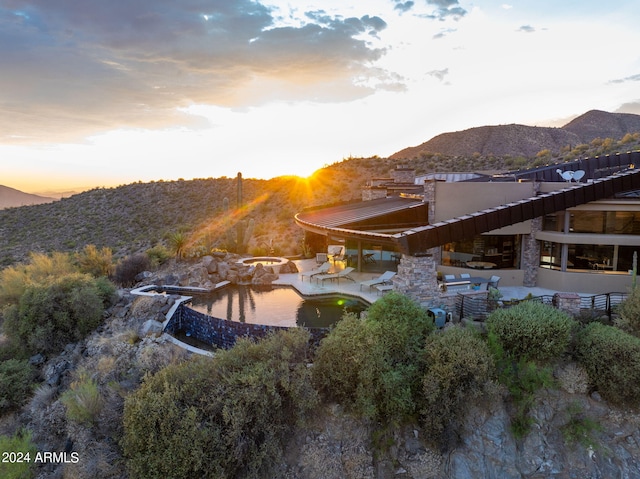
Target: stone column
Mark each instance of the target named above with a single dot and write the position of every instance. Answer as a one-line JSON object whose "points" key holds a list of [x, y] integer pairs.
{"points": [[417, 279], [567, 302], [531, 254], [531, 250]]}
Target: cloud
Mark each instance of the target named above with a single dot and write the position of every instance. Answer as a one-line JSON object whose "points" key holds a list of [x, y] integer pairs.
{"points": [[444, 8], [627, 79], [443, 33], [526, 29], [76, 66], [631, 107], [403, 6], [439, 74]]}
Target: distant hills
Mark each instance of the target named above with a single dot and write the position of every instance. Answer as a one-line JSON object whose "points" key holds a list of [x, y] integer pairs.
{"points": [[10, 197], [132, 218], [527, 141]]}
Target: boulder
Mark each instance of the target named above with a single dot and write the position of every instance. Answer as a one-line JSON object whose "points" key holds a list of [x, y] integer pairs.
{"points": [[223, 270], [150, 328]]}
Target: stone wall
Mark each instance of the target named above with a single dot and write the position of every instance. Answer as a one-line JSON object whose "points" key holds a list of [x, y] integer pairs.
{"points": [[403, 175], [222, 333], [373, 193]]}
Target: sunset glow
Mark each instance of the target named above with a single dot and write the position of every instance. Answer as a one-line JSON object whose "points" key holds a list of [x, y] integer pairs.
{"points": [[108, 93]]}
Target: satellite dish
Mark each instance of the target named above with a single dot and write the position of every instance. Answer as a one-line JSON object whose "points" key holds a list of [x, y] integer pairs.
{"points": [[570, 175]]}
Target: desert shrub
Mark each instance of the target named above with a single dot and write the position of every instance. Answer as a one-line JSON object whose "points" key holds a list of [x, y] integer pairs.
{"points": [[458, 366], [579, 428], [531, 330], [158, 255], [18, 443], [225, 417], [16, 383], [612, 360], [374, 365], [629, 311], [130, 267], [95, 262], [48, 316], [41, 268], [83, 400]]}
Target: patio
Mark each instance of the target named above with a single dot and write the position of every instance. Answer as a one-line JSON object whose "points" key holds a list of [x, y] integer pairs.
{"points": [[352, 288]]}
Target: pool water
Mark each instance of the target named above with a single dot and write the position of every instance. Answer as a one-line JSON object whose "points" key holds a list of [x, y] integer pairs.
{"points": [[275, 306]]}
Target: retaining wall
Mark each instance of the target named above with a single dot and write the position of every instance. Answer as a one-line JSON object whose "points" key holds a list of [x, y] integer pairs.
{"points": [[223, 333]]}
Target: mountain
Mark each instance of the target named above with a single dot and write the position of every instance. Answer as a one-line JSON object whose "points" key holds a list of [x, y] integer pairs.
{"points": [[522, 140], [10, 197]]}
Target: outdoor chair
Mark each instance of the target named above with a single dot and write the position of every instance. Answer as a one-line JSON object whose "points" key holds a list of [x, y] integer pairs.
{"points": [[382, 279], [493, 282], [465, 276], [322, 269], [449, 277], [340, 274]]}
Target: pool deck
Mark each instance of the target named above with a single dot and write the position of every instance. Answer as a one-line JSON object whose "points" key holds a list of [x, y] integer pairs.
{"points": [[310, 287], [344, 286]]}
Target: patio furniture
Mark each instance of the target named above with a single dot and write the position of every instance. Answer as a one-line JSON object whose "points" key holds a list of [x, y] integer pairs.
{"points": [[336, 252], [465, 276], [323, 268], [449, 277], [340, 274], [493, 282], [322, 258], [481, 264], [383, 288], [382, 279]]}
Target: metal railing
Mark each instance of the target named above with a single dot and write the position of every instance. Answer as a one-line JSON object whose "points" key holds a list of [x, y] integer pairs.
{"points": [[478, 306]]}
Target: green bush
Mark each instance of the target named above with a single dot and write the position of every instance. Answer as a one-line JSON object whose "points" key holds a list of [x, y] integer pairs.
{"points": [[458, 366], [579, 428], [16, 383], [48, 316], [531, 330], [374, 365], [226, 417], [20, 443], [612, 360], [95, 262], [83, 400], [629, 311], [158, 255]]}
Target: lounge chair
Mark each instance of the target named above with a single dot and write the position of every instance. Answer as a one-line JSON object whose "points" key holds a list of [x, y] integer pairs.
{"points": [[382, 279], [336, 252], [322, 269], [340, 274]]}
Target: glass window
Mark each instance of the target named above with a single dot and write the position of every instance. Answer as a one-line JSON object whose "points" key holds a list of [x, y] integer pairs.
{"points": [[484, 251]]}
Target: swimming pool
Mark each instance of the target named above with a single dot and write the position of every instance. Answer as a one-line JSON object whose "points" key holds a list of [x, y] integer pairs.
{"points": [[275, 306]]}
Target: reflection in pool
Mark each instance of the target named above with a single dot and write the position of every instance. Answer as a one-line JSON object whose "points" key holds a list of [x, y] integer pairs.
{"points": [[275, 306]]}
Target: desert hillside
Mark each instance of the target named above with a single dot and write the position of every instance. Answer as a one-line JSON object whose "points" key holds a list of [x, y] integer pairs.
{"points": [[527, 141]]}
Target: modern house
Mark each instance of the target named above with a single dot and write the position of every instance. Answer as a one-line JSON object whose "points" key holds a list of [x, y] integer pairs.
{"points": [[536, 227]]}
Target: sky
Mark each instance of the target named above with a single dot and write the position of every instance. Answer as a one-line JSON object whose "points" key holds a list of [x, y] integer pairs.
{"points": [[100, 93]]}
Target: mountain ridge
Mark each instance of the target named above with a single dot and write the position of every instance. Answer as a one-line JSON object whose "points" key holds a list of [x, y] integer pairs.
{"points": [[11, 197], [524, 140]]}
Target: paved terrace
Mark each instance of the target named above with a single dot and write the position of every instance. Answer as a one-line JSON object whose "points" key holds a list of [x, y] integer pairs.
{"points": [[352, 288]]}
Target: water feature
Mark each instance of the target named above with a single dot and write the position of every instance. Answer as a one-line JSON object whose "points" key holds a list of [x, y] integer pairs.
{"points": [[275, 306], [274, 262]]}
